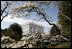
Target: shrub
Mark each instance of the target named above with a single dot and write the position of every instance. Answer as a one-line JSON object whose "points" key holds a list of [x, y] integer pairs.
{"points": [[14, 32], [55, 31], [11, 34], [16, 28]]}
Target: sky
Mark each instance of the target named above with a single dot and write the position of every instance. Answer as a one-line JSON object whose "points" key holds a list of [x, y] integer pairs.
{"points": [[51, 12]]}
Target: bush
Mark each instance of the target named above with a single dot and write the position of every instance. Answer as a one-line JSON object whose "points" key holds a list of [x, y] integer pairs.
{"points": [[16, 28], [55, 31], [3, 32], [11, 34], [14, 32]]}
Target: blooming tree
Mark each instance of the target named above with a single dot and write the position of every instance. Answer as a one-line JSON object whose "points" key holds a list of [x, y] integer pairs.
{"points": [[25, 8]]}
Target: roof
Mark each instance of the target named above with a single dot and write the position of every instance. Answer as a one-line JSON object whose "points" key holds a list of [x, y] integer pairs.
{"points": [[26, 23]]}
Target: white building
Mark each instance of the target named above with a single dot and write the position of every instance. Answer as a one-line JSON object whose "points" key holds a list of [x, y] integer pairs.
{"points": [[32, 28]]}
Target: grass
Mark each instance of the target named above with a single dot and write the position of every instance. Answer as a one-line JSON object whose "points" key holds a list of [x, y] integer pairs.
{"points": [[64, 45], [61, 45]]}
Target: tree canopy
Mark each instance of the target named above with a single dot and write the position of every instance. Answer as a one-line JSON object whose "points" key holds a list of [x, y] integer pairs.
{"points": [[65, 18], [25, 8]]}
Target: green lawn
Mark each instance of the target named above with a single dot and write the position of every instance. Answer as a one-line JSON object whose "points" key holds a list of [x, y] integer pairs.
{"points": [[60, 45]]}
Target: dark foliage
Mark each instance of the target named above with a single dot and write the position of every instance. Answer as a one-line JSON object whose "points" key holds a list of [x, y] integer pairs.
{"points": [[63, 21], [55, 31], [16, 28], [14, 31]]}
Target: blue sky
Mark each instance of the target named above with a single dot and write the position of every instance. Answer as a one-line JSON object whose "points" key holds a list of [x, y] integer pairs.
{"points": [[53, 12]]}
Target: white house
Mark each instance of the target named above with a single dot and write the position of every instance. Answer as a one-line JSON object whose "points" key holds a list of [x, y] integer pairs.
{"points": [[32, 28]]}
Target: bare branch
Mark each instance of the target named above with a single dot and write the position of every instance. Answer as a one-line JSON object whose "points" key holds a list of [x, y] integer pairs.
{"points": [[4, 16], [46, 19], [44, 16], [2, 11]]}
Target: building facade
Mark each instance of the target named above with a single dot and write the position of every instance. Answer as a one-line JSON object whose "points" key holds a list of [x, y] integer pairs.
{"points": [[32, 28]]}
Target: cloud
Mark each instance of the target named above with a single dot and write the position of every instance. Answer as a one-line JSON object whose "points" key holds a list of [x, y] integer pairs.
{"points": [[5, 24], [22, 21], [8, 21]]}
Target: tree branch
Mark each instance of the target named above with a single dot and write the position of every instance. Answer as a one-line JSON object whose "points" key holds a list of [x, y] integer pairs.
{"points": [[2, 11], [64, 15], [38, 12], [4, 16], [35, 9]]}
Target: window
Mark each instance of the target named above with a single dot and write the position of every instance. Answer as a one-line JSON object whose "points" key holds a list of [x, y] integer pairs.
{"points": [[30, 27]]}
